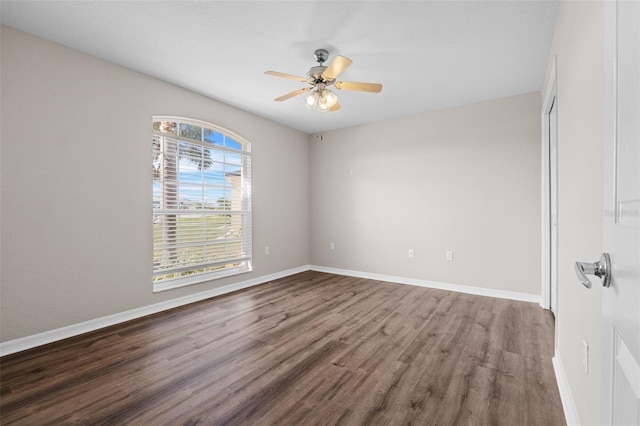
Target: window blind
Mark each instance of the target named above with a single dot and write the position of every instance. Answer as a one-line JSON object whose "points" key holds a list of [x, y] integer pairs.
{"points": [[201, 202]]}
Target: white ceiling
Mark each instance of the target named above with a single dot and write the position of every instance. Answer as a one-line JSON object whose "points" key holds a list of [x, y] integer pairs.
{"points": [[428, 54]]}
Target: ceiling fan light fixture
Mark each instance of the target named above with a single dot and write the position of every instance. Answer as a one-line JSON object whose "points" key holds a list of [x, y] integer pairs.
{"points": [[311, 100], [330, 98], [321, 100]]}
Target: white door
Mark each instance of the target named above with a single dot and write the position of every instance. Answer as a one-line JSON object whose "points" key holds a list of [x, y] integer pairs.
{"points": [[621, 301]]}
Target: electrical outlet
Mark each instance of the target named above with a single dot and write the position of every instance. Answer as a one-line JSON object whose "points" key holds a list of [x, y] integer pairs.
{"points": [[266, 250], [585, 356], [411, 253], [449, 255], [332, 246]]}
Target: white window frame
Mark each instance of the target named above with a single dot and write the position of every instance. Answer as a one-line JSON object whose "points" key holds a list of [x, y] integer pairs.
{"points": [[227, 266]]}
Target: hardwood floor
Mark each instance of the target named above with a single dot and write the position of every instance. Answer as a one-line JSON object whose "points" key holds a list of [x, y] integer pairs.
{"points": [[312, 348]]}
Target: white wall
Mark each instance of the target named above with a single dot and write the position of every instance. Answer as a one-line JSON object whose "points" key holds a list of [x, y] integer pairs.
{"points": [[578, 44], [465, 179], [76, 186]]}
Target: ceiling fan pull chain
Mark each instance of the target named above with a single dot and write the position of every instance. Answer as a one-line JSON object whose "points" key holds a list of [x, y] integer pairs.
{"points": [[319, 135]]}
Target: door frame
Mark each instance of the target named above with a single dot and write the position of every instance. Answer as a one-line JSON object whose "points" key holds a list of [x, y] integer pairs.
{"points": [[550, 98]]}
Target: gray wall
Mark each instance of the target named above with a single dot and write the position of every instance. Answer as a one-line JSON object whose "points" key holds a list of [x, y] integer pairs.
{"points": [[579, 46], [465, 179], [76, 190], [76, 186]]}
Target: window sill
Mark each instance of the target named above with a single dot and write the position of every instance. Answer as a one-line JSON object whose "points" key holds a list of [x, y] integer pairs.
{"points": [[201, 278]]}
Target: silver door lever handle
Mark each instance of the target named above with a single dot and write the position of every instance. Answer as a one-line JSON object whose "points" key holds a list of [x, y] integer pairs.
{"points": [[601, 269]]}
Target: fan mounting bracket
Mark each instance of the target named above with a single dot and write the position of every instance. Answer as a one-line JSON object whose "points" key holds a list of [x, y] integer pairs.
{"points": [[321, 55]]}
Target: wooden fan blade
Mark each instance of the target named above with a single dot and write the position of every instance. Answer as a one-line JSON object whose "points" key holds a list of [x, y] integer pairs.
{"points": [[292, 94], [360, 87], [336, 67], [335, 107], [283, 75]]}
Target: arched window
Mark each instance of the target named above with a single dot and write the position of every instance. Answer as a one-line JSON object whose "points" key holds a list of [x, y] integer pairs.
{"points": [[201, 202]]}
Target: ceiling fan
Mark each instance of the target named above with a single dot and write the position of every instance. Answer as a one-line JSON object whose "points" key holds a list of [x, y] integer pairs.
{"points": [[320, 78]]}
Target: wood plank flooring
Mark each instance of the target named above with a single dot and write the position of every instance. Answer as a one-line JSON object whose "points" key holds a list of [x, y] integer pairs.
{"points": [[309, 349]]}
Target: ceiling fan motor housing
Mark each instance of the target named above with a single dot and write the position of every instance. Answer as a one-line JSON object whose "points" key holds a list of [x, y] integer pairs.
{"points": [[315, 74]]}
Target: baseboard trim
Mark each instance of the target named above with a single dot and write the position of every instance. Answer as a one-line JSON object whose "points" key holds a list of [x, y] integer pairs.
{"points": [[29, 342], [479, 291], [569, 407]]}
